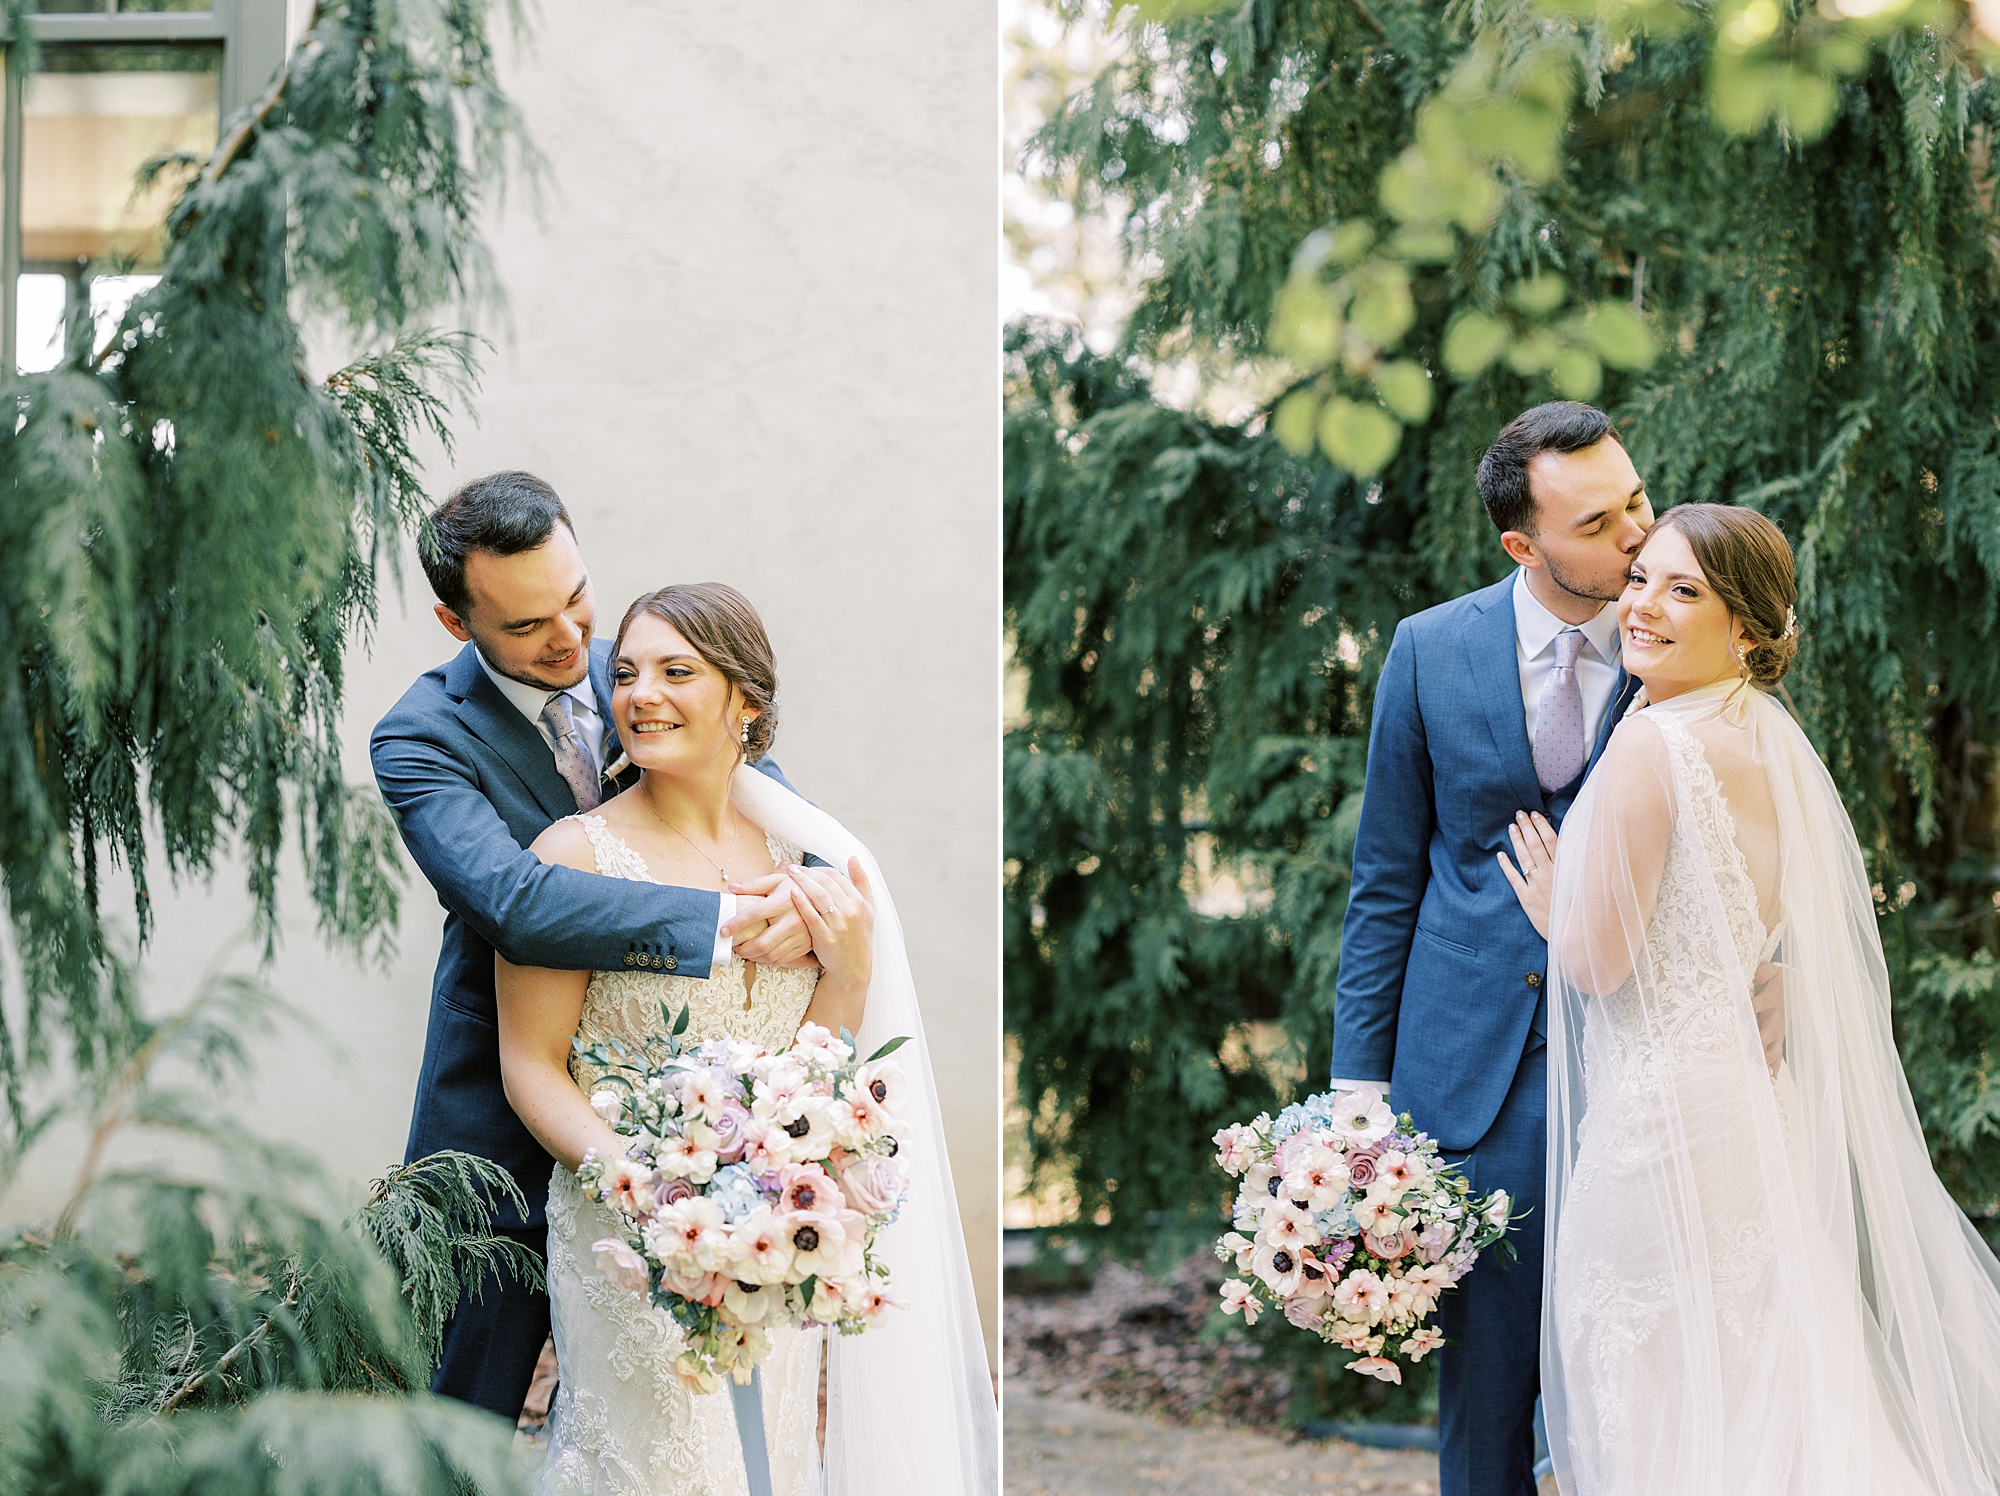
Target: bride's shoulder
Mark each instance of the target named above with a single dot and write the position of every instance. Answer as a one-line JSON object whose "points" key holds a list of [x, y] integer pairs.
{"points": [[1637, 755], [566, 843]]}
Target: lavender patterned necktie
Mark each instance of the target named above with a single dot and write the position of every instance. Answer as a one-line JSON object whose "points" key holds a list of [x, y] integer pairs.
{"points": [[575, 762], [1559, 746]]}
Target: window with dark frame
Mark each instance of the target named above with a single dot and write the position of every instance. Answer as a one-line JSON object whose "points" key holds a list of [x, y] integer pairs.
{"points": [[119, 83]]}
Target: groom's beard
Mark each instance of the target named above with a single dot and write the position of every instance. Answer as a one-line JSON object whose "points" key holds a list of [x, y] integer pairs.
{"points": [[578, 670], [1575, 587]]}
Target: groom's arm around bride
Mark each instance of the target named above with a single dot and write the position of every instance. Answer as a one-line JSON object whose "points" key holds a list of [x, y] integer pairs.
{"points": [[476, 760]]}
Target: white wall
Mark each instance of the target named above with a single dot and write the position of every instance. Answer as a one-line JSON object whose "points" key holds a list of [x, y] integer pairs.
{"points": [[752, 340]]}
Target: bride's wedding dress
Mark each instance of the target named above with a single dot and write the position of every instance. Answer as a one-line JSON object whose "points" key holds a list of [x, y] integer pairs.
{"points": [[1755, 1283], [910, 1409], [622, 1424]]}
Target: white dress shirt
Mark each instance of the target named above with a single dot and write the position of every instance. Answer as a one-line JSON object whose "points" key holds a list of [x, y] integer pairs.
{"points": [[1535, 630], [530, 701]]}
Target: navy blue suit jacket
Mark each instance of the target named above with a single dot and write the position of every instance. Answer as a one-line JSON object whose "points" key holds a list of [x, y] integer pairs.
{"points": [[472, 783], [1441, 974]]}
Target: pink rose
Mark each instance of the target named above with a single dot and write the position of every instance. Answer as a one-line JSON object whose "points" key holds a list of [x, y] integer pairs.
{"points": [[873, 1185], [1305, 1313], [622, 1265], [676, 1190], [731, 1133], [1388, 1245], [1360, 1170]]}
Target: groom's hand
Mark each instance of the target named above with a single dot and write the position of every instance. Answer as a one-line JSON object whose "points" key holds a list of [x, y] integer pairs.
{"points": [[1767, 1001], [767, 929]]}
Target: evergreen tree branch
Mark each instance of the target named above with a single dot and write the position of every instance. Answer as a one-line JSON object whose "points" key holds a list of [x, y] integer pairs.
{"points": [[235, 1353]]}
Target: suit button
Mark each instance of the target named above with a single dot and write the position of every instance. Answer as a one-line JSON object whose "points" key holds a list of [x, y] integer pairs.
{"points": [[630, 959], [1534, 979], [654, 962], [672, 964]]}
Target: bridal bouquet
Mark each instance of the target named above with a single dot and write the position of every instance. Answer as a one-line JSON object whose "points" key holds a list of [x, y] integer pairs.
{"points": [[753, 1189], [1356, 1229]]}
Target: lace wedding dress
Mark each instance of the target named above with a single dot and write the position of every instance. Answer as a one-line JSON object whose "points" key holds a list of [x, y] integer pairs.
{"points": [[622, 1424], [1756, 1283]]}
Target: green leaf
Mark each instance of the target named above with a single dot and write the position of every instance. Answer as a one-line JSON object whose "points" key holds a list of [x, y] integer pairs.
{"points": [[1621, 337], [1292, 422], [1423, 244], [1305, 321], [1360, 438], [681, 1023], [888, 1049], [1405, 387], [1383, 308], [1472, 342], [1350, 242], [1742, 96], [1539, 295], [1805, 103], [1534, 353], [1577, 373]]}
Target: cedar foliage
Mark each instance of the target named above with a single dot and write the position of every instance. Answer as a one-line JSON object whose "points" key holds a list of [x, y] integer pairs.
{"points": [[194, 529], [1200, 611]]}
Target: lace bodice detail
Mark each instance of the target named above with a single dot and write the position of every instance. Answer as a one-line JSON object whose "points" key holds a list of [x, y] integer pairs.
{"points": [[1688, 1007], [625, 1005]]}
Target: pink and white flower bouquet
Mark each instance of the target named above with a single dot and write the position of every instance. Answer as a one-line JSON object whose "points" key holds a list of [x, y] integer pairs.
{"points": [[1354, 1228], [753, 1188]]}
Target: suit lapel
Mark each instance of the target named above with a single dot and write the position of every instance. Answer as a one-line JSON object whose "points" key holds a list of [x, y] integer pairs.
{"points": [[492, 719], [1496, 669]]}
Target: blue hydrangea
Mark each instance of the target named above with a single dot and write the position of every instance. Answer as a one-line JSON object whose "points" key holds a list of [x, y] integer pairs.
{"points": [[1334, 1223], [1314, 1111], [734, 1190]]}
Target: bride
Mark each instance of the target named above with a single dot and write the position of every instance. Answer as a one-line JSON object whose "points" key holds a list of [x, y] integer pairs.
{"points": [[909, 1407], [1755, 1281]]}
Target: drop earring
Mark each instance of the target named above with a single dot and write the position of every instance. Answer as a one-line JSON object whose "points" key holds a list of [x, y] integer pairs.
{"points": [[746, 730]]}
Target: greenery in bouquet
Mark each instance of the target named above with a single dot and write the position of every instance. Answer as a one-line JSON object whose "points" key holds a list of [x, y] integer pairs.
{"points": [[753, 1189], [1357, 1229]]}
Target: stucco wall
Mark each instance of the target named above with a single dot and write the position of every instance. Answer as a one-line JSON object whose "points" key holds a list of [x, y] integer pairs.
{"points": [[750, 339]]}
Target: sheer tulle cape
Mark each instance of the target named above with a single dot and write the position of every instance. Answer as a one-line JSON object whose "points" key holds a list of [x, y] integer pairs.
{"points": [[910, 1409], [1752, 1283]]}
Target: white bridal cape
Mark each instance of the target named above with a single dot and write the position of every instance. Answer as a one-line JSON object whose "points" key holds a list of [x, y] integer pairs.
{"points": [[910, 1408], [1754, 1283]]}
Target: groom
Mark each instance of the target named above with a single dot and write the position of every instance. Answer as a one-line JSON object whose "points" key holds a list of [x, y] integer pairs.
{"points": [[1498, 701], [477, 759]]}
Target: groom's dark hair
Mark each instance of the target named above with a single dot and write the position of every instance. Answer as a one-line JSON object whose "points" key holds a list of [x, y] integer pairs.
{"points": [[1559, 426], [503, 514]]}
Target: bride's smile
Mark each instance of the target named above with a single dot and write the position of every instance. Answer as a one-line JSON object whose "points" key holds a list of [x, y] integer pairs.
{"points": [[1678, 635], [676, 713]]}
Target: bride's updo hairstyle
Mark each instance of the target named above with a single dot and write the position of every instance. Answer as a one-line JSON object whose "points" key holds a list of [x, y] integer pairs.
{"points": [[725, 631], [1748, 562]]}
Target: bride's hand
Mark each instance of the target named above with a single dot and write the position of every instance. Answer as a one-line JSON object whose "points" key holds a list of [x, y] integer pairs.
{"points": [[767, 929], [840, 915], [1534, 881]]}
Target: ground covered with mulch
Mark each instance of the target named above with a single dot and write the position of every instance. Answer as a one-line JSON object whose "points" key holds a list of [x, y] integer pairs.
{"points": [[1134, 1342]]}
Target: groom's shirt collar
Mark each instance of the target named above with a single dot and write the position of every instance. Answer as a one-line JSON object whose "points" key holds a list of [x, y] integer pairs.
{"points": [[530, 700], [1536, 627]]}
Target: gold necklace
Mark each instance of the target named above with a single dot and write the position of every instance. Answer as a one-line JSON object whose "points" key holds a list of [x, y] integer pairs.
{"points": [[720, 870]]}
